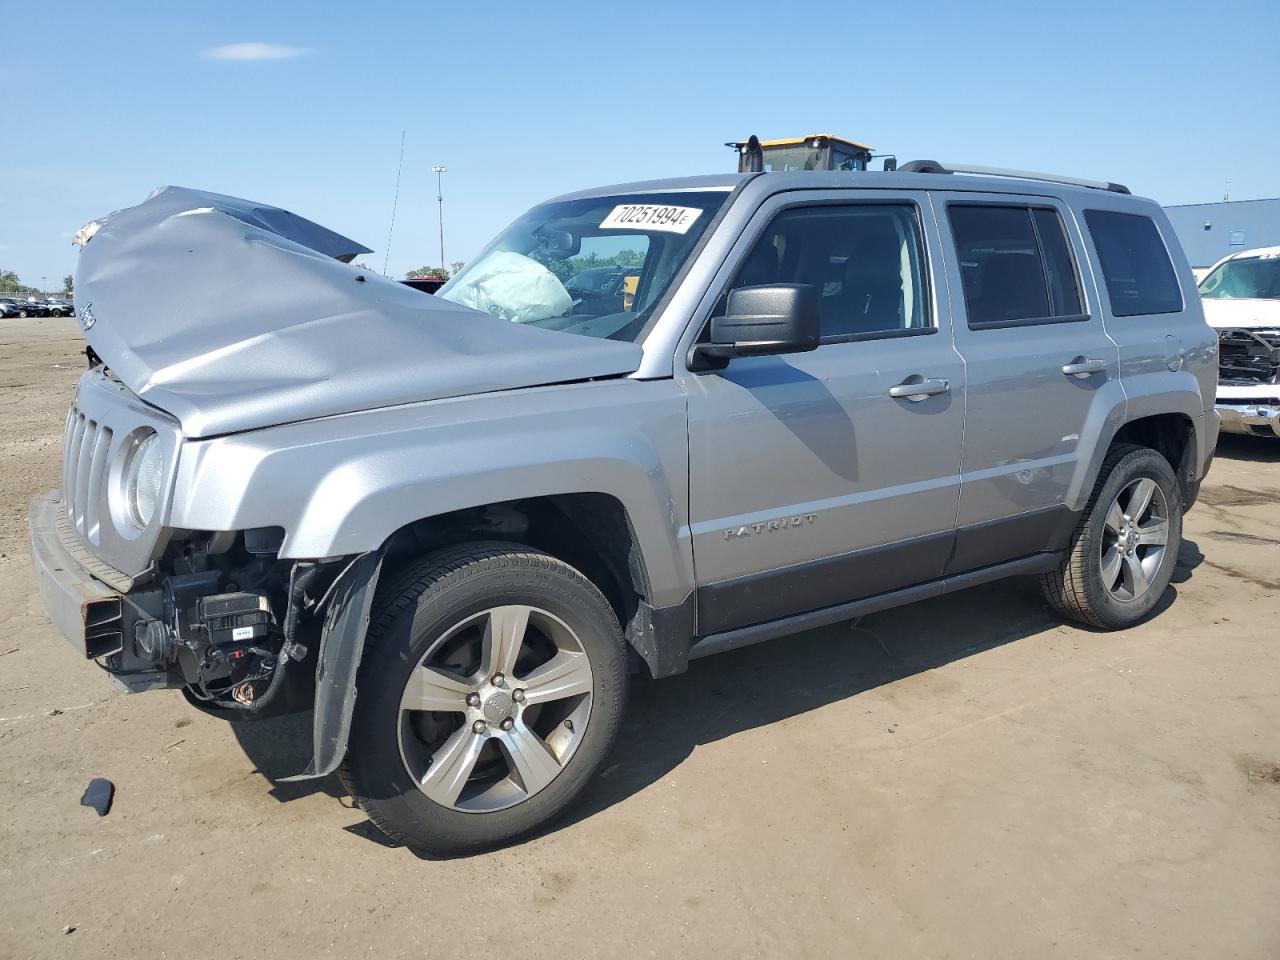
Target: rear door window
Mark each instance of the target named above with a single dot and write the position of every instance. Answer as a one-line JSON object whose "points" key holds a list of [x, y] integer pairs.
{"points": [[1140, 278], [1015, 265], [1059, 269]]}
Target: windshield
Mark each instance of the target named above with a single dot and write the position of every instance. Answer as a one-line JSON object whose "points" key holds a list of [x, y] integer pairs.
{"points": [[1252, 278], [595, 267]]}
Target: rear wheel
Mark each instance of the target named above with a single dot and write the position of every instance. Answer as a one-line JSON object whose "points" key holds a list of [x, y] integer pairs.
{"points": [[493, 686], [1124, 550]]}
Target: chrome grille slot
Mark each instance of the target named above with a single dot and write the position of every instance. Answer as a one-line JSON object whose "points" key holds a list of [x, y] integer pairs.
{"points": [[73, 418], [97, 477], [71, 466], [86, 446], [83, 492]]}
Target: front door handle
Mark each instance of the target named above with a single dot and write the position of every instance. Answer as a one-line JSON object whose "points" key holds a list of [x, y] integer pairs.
{"points": [[914, 389], [1081, 367]]}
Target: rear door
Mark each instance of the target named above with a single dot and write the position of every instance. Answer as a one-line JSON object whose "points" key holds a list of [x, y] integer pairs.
{"points": [[810, 484], [1040, 367]]}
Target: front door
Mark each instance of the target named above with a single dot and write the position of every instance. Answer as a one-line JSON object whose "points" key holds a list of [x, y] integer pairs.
{"points": [[823, 477]]}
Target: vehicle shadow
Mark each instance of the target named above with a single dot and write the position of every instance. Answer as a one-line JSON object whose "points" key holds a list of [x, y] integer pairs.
{"points": [[1237, 446], [743, 689], [281, 747]]}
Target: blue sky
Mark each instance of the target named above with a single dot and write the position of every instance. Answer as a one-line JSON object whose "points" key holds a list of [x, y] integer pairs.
{"points": [[524, 101]]}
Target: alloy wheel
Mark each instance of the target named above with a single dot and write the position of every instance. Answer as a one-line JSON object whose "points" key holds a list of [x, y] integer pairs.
{"points": [[495, 709], [1134, 540]]}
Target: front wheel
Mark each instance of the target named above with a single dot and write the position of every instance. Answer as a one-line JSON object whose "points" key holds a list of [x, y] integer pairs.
{"points": [[1126, 545], [493, 686]]}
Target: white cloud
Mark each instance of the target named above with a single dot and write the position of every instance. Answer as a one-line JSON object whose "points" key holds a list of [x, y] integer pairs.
{"points": [[253, 51]]}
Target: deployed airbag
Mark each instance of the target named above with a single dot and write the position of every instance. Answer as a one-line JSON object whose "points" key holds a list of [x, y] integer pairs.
{"points": [[514, 287]]}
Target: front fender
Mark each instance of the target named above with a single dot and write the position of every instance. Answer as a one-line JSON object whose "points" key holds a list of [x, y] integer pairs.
{"points": [[343, 485]]}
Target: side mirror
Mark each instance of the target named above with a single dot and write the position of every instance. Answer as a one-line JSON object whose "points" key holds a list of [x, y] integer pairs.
{"points": [[762, 321]]}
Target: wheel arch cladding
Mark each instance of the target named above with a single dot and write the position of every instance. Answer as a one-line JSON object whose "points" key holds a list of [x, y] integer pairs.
{"points": [[1170, 432], [589, 531], [341, 647]]}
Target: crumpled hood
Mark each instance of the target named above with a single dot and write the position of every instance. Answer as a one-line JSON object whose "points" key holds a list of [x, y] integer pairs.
{"points": [[1224, 312], [232, 315]]}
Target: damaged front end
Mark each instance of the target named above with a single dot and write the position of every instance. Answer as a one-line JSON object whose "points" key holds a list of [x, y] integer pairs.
{"points": [[219, 614], [208, 317], [1249, 380]]}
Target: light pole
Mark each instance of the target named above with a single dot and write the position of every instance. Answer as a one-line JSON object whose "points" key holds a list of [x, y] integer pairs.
{"points": [[439, 170]]}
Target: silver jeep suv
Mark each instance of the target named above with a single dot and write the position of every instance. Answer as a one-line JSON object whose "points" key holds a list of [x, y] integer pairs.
{"points": [[456, 525]]}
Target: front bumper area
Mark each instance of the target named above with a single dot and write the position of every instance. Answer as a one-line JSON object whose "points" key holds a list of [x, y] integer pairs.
{"points": [[86, 611], [1251, 419]]}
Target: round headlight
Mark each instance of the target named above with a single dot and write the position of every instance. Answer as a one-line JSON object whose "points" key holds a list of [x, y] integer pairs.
{"points": [[142, 477]]}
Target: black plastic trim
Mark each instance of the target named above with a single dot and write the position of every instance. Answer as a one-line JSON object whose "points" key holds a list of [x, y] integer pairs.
{"points": [[878, 335], [660, 636], [815, 584], [996, 541], [758, 633], [1029, 322], [341, 646]]}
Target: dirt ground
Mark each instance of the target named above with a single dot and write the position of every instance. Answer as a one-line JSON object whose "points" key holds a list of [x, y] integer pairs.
{"points": [[967, 777]]}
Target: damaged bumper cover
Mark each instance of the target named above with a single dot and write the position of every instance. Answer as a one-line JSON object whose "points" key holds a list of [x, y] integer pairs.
{"points": [[86, 611], [96, 620]]}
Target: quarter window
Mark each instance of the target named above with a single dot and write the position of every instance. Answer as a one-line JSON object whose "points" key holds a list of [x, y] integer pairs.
{"points": [[1135, 264], [1015, 265], [865, 260]]}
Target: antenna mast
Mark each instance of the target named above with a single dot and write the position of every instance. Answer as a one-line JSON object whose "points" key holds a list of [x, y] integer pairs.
{"points": [[394, 203]]}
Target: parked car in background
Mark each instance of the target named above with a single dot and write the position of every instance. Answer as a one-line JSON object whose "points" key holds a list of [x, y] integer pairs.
{"points": [[1241, 297], [27, 307], [455, 533], [8, 308], [59, 307]]}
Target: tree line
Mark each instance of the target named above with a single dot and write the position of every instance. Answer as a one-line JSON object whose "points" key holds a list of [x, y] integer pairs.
{"points": [[11, 283]]}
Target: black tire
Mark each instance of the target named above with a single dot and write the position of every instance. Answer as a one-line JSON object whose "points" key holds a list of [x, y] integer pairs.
{"points": [[1076, 589], [23, 314], [409, 615]]}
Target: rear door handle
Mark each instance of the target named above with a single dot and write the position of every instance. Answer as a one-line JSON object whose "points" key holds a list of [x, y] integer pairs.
{"points": [[1080, 367], [919, 389]]}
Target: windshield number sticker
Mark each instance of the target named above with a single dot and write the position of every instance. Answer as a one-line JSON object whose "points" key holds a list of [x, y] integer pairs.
{"points": [[651, 216]]}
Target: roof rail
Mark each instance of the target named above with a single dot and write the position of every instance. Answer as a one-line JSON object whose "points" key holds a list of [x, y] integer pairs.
{"points": [[933, 166]]}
